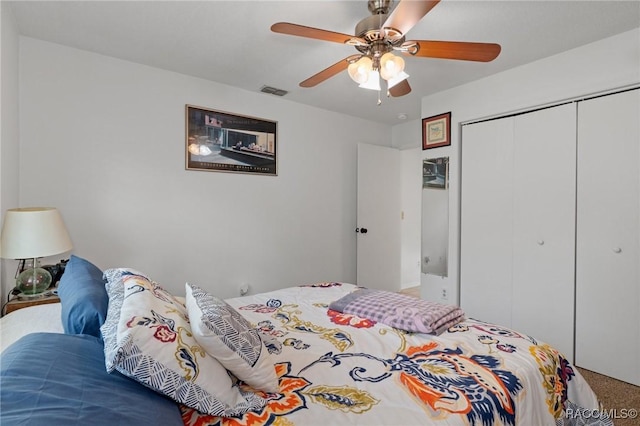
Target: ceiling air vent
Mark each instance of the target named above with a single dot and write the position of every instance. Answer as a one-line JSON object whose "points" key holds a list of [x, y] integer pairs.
{"points": [[273, 91]]}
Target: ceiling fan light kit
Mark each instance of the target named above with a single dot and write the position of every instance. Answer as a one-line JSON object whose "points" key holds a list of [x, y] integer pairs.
{"points": [[367, 71], [390, 65], [360, 69], [373, 82], [377, 36]]}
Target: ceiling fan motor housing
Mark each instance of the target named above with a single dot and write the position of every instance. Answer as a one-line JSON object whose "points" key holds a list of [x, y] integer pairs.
{"points": [[380, 40], [371, 30], [377, 7]]}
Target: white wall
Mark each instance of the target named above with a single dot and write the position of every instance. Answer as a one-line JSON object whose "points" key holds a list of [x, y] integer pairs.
{"points": [[9, 135], [407, 135], [607, 64], [411, 164], [407, 138], [103, 140]]}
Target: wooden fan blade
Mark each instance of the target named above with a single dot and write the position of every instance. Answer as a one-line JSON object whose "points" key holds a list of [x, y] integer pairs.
{"points": [[326, 73], [464, 51], [309, 32], [407, 14], [400, 89]]}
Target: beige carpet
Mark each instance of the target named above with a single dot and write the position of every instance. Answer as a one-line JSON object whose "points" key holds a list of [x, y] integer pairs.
{"points": [[615, 394]]}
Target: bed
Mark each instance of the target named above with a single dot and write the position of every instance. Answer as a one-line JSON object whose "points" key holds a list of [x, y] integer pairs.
{"points": [[330, 367]]}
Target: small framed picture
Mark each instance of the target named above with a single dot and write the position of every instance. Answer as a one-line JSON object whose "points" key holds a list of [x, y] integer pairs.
{"points": [[435, 173], [436, 131], [224, 142]]}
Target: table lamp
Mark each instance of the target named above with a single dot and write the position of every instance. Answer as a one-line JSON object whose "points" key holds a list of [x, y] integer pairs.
{"points": [[31, 233]]}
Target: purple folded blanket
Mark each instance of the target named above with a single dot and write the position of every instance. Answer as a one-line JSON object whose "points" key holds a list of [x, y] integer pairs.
{"points": [[399, 310]]}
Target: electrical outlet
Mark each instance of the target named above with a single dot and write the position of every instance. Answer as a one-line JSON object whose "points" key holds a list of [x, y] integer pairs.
{"points": [[445, 294], [244, 289]]}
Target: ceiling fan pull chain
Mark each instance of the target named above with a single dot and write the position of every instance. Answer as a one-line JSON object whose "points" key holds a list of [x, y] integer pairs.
{"points": [[379, 100]]}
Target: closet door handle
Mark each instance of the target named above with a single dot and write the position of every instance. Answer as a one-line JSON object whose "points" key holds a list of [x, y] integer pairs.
{"points": [[540, 242], [617, 250]]}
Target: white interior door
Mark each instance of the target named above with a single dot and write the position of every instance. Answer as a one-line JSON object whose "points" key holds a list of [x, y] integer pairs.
{"points": [[608, 236], [378, 221]]}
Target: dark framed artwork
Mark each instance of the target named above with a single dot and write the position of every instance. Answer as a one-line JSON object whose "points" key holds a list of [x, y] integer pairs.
{"points": [[436, 131], [435, 173], [224, 142]]}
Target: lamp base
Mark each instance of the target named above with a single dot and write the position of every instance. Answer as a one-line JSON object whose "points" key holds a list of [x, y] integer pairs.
{"points": [[25, 296], [33, 281]]}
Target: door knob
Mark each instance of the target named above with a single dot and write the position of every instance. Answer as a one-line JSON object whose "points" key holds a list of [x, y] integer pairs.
{"points": [[362, 230]]}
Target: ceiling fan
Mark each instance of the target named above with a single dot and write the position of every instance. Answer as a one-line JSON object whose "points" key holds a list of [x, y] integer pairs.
{"points": [[380, 34]]}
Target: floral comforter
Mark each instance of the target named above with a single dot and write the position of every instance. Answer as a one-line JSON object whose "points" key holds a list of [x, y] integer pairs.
{"points": [[337, 368]]}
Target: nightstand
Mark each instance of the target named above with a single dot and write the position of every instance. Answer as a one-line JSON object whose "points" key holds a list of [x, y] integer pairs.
{"points": [[15, 303]]}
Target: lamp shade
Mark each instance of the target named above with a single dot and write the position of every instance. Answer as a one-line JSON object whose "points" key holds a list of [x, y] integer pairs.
{"points": [[373, 82], [390, 66], [33, 232], [359, 70]]}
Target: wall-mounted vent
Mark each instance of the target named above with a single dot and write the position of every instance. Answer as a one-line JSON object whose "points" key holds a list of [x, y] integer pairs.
{"points": [[273, 91]]}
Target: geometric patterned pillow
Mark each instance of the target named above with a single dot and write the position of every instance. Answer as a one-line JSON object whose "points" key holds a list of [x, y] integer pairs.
{"points": [[230, 338], [148, 338]]}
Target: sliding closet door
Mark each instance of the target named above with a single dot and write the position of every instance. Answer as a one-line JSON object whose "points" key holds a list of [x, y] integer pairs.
{"points": [[544, 225], [486, 215], [608, 236]]}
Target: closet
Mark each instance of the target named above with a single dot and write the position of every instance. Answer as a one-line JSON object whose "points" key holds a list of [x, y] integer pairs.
{"points": [[518, 215], [608, 236], [550, 228]]}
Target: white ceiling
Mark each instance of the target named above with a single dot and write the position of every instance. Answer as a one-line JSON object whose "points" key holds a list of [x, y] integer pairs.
{"points": [[230, 41]]}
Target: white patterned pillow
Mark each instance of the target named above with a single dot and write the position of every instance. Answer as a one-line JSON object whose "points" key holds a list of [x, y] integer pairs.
{"points": [[229, 337], [147, 337]]}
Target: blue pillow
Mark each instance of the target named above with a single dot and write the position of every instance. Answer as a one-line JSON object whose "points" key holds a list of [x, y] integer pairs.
{"points": [[83, 297], [60, 379]]}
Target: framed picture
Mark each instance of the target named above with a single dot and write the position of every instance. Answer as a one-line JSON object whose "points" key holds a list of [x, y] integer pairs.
{"points": [[436, 131], [435, 173], [223, 142]]}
